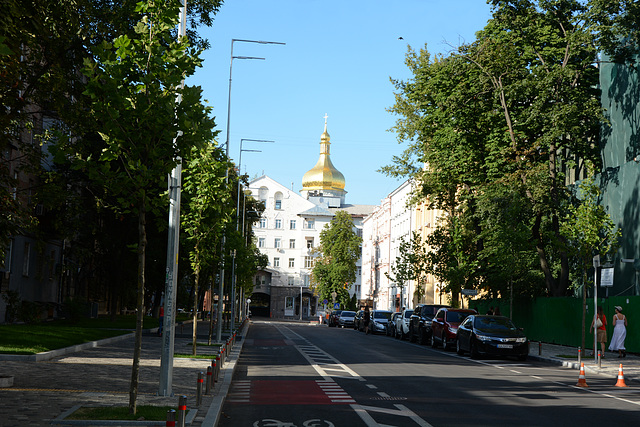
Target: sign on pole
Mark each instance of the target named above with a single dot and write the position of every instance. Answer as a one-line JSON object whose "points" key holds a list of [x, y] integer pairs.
{"points": [[606, 277]]}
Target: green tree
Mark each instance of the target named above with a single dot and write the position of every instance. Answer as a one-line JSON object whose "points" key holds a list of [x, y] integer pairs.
{"points": [[519, 106], [411, 264], [132, 90], [335, 268], [589, 231], [203, 218]]}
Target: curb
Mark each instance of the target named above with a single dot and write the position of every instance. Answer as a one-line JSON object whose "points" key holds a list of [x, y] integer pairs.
{"points": [[212, 417]]}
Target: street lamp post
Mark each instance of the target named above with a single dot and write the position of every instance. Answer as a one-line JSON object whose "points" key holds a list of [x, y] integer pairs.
{"points": [[233, 263], [221, 284]]}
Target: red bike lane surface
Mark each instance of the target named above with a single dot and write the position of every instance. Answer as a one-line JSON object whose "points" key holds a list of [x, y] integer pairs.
{"points": [[288, 392]]}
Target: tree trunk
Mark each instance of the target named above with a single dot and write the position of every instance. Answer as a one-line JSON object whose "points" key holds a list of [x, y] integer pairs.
{"points": [[195, 306], [584, 308], [142, 245]]}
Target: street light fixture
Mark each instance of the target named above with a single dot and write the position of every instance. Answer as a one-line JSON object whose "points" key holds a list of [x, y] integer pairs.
{"points": [[221, 284]]}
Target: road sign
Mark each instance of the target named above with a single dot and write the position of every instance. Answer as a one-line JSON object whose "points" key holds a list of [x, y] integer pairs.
{"points": [[325, 302], [336, 306], [606, 277]]}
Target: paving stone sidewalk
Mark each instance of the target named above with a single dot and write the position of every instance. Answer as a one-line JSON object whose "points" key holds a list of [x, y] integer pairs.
{"points": [[43, 391]]}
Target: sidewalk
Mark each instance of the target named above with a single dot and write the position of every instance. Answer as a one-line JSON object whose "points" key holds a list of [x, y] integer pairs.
{"points": [[568, 357], [99, 374]]}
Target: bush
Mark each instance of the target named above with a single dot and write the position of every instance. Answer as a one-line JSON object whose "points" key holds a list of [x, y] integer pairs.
{"points": [[74, 310]]}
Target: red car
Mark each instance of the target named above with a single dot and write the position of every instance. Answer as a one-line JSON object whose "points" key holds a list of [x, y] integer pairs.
{"points": [[445, 326]]}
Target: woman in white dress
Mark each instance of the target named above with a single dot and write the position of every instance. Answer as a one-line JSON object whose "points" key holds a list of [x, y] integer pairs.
{"points": [[619, 333]]}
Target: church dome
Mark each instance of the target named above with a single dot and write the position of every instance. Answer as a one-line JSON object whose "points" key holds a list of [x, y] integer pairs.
{"points": [[323, 176]]}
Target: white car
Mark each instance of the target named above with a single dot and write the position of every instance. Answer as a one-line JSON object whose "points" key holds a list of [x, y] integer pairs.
{"points": [[402, 324]]}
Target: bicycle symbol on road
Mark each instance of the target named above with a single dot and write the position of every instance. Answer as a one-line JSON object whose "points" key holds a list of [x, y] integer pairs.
{"points": [[309, 423]]}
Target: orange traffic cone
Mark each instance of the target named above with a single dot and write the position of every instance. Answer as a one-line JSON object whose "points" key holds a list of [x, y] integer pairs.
{"points": [[582, 382], [621, 382]]}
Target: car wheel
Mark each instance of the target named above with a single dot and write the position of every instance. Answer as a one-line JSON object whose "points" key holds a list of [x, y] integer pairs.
{"points": [[412, 336], [434, 344], [459, 349], [473, 350], [423, 337], [445, 345]]}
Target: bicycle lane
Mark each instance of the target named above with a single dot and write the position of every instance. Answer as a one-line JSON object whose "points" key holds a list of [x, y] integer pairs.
{"points": [[282, 379]]}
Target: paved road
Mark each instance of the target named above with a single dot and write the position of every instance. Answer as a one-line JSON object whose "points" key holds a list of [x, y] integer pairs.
{"points": [[45, 390]]}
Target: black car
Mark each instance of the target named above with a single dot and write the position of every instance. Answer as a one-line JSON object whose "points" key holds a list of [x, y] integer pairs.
{"points": [[420, 322], [333, 318], [491, 335]]}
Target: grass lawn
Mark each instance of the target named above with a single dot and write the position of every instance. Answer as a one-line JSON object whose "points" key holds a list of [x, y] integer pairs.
{"points": [[46, 336]]}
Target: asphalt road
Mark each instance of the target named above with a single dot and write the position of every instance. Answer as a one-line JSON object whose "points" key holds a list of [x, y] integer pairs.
{"points": [[309, 376]]}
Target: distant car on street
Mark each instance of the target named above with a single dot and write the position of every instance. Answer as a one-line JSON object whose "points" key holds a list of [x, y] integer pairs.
{"points": [[491, 335], [358, 321], [333, 318], [379, 320], [345, 320], [420, 322], [391, 325], [445, 326], [402, 324]]}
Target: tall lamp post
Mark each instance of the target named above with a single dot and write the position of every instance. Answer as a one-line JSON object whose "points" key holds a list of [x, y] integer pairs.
{"points": [[221, 284], [233, 263]]}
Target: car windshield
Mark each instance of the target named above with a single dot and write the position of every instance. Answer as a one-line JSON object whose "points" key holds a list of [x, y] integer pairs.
{"points": [[494, 324], [428, 311], [456, 316], [408, 314], [347, 314], [382, 315]]}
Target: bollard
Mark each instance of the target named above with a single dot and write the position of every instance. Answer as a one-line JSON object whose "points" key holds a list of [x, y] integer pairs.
{"points": [[209, 377], [171, 418], [540, 348], [579, 355], [216, 365], [599, 359], [182, 411], [221, 357], [199, 388]]}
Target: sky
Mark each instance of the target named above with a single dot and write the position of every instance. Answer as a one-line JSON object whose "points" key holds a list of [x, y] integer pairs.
{"points": [[338, 59]]}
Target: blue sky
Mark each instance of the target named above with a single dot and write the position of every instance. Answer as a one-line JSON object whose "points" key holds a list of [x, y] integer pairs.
{"points": [[338, 58]]}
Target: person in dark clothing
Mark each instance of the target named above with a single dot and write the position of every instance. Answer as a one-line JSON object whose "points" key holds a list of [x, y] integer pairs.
{"points": [[367, 319]]}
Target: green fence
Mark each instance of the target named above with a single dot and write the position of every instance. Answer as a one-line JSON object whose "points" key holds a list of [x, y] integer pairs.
{"points": [[559, 320]]}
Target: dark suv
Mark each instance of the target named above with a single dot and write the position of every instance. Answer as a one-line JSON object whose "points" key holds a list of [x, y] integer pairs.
{"points": [[420, 322]]}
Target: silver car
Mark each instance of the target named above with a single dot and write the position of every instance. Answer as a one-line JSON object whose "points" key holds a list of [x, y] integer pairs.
{"points": [[379, 320]]}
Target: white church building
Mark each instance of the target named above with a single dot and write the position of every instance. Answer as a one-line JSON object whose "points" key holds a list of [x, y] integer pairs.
{"points": [[288, 230]]}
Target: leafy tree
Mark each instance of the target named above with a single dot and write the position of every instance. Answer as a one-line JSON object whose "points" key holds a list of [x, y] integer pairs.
{"points": [[411, 264], [518, 106], [616, 27], [132, 105], [339, 252], [589, 231]]}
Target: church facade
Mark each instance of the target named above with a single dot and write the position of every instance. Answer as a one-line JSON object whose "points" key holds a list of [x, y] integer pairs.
{"points": [[288, 232]]}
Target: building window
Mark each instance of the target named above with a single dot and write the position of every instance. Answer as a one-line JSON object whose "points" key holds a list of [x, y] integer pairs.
{"points": [[359, 271], [309, 243], [278, 205], [292, 224], [291, 280], [263, 222], [292, 243], [278, 223], [308, 262], [261, 242], [276, 262], [292, 262], [277, 243], [310, 224], [359, 232]]}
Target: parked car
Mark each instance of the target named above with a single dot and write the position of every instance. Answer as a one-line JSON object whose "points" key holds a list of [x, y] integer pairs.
{"points": [[491, 335], [420, 322], [445, 326], [391, 325], [345, 319], [358, 321], [379, 320], [333, 318], [402, 324]]}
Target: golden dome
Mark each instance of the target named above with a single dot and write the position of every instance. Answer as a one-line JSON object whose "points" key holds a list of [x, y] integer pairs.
{"points": [[323, 176]]}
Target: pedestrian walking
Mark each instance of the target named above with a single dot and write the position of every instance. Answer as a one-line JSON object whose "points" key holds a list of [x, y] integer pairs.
{"points": [[600, 323], [367, 319], [619, 333]]}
